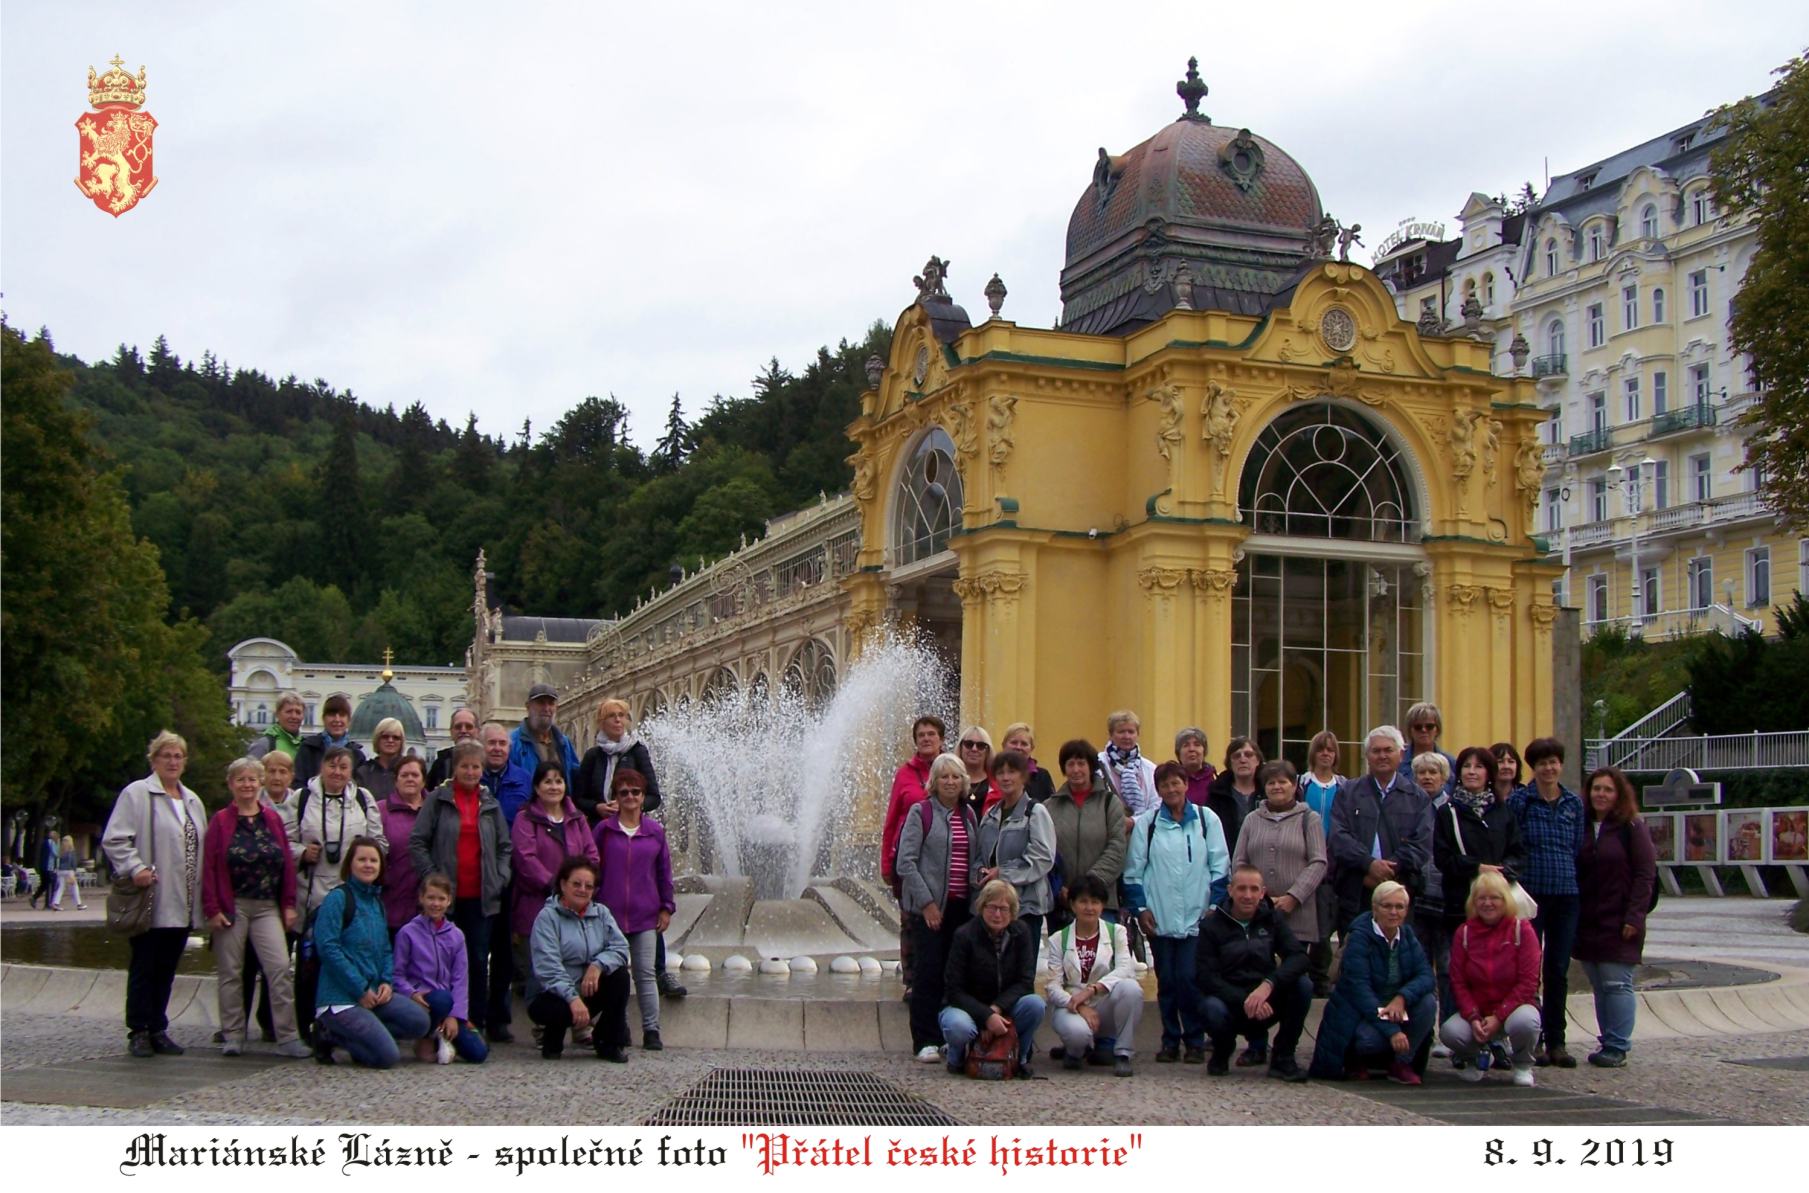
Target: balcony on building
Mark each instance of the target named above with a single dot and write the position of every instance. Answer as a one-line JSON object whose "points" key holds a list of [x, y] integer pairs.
{"points": [[1591, 442], [1551, 365], [1684, 418]]}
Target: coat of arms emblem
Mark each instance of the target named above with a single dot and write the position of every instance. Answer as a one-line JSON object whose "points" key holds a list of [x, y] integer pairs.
{"points": [[116, 141]]}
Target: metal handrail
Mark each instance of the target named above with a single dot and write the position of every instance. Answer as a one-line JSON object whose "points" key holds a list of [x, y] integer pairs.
{"points": [[1736, 751], [1551, 365], [1592, 441]]}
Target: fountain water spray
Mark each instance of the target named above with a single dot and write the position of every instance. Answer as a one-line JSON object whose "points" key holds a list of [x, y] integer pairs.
{"points": [[775, 784]]}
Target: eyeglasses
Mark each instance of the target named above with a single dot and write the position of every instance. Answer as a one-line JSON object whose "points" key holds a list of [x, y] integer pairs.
{"points": [[622, 791], [1429, 726], [389, 737], [973, 745], [575, 884]]}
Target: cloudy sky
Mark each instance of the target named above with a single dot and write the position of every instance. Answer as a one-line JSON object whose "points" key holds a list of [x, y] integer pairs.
{"points": [[502, 209]]}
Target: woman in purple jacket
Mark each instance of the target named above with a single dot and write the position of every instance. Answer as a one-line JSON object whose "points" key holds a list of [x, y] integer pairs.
{"points": [[548, 829], [1616, 870], [431, 968], [635, 882]]}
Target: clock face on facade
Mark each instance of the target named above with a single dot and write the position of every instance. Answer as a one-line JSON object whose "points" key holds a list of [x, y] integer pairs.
{"points": [[1338, 330], [921, 365]]}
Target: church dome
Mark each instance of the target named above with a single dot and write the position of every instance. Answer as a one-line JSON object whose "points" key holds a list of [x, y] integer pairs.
{"points": [[1200, 216], [382, 703]]}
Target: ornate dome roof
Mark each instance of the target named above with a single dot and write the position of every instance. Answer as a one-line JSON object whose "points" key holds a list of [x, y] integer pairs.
{"points": [[386, 702], [1200, 216]]}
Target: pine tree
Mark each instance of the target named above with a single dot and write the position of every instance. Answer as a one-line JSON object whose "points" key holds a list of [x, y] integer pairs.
{"points": [[675, 444]]}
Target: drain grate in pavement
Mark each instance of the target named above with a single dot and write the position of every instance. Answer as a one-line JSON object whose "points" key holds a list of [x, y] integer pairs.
{"points": [[789, 1097], [124, 1083], [1444, 1098], [1797, 1064]]}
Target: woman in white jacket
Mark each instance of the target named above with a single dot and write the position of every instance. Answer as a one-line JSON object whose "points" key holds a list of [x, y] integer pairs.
{"points": [[1090, 982]]}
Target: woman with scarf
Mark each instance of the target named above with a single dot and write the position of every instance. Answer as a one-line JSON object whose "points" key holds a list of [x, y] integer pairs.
{"points": [[1131, 775], [617, 748]]}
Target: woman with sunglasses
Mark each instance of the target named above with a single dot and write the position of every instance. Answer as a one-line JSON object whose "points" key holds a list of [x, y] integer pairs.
{"points": [[975, 753], [634, 881], [377, 774]]}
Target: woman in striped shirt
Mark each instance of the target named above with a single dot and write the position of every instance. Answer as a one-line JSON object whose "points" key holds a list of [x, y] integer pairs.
{"points": [[935, 849]]}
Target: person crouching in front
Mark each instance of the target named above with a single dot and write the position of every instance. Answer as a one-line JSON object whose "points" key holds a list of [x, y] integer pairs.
{"points": [[1090, 982], [433, 971], [990, 981], [1252, 972]]}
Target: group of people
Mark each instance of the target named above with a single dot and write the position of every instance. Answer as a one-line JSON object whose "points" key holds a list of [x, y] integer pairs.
{"points": [[1457, 889], [58, 874], [380, 900]]}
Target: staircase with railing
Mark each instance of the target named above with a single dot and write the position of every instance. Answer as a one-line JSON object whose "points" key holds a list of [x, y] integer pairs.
{"points": [[1651, 744], [1623, 748]]}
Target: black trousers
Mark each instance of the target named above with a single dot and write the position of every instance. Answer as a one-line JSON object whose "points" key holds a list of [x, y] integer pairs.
{"points": [[502, 967], [608, 1015], [468, 915], [150, 976], [931, 946], [1289, 1000]]}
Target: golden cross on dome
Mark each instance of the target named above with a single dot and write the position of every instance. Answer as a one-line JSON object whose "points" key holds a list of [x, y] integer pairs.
{"points": [[117, 61], [389, 657]]}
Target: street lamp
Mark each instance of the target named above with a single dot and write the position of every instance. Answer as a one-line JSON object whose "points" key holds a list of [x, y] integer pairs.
{"points": [[1634, 483]]}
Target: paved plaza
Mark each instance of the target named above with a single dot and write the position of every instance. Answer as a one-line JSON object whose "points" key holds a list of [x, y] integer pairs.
{"points": [[71, 1068]]}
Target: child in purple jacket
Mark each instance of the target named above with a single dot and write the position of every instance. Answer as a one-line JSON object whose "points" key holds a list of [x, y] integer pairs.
{"points": [[431, 968]]}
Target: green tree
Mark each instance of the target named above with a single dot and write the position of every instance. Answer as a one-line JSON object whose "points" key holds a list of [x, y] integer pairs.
{"points": [[675, 444], [88, 666], [1759, 174]]}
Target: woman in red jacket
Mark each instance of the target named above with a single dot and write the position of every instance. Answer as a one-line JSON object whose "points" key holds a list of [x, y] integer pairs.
{"points": [[1616, 870], [1494, 982]]}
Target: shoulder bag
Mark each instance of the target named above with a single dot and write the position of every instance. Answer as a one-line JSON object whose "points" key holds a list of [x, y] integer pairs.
{"points": [[129, 905]]}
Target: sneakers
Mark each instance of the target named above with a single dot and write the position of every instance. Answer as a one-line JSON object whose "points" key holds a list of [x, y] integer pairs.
{"points": [[1469, 1073], [233, 1045], [138, 1044], [1523, 1076], [672, 988], [294, 1050], [1255, 1054], [1560, 1057], [1121, 1066], [1220, 1064], [162, 1045], [1440, 1051], [650, 1041], [1194, 1055], [1099, 1058], [1608, 1058], [929, 1054], [1401, 1073], [442, 1052], [1286, 1068], [1072, 1064], [613, 1053], [1168, 1055]]}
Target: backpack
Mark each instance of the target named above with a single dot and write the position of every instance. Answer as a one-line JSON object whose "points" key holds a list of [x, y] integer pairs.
{"points": [[995, 1059], [301, 805], [1149, 832], [1627, 844]]}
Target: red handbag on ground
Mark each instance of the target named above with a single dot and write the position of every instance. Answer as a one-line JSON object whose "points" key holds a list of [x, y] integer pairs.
{"points": [[994, 1058]]}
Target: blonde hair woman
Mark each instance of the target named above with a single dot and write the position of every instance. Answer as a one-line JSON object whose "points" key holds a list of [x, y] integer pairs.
{"points": [[66, 883], [1495, 962], [377, 774], [154, 839]]}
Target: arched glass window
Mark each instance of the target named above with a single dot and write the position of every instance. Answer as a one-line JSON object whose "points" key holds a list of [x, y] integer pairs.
{"points": [[721, 685], [810, 676], [928, 500], [1658, 304], [1324, 471], [1488, 289], [1554, 337], [1648, 221], [1551, 258]]}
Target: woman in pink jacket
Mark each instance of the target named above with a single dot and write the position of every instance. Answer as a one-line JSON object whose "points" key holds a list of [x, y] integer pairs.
{"points": [[1495, 963], [548, 829], [634, 881]]}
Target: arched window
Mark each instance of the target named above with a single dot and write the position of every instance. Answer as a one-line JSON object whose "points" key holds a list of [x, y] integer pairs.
{"points": [[1551, 258], [656, 704], [1488, 289], [1324, 471], [810, 676], [1554, 338], [1648, 221], [721, 685], [1658, 304], [928, 501], [1595, 243]]}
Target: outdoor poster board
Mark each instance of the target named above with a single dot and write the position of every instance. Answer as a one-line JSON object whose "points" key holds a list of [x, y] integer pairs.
{"points": [[1702, 838], [1789, 835], [1743, 836], [1663, 827]]}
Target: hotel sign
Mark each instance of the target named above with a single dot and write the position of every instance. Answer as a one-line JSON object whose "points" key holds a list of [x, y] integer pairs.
{"points": [[1410, 229]]}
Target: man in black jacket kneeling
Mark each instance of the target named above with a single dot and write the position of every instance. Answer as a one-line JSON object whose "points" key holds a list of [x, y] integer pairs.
{"points": [[1252, 972]]}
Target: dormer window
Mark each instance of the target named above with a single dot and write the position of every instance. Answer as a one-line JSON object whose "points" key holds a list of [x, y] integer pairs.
{"points": [[1585, 181], [1682, 143]]}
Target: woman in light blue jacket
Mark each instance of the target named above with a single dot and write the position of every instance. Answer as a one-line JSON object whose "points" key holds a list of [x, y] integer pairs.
{"points": [[1176, 868], [579, 966]]}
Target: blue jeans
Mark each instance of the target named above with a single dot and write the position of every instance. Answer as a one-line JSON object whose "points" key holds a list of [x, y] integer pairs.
{"points": [[468, 1044], [1371, 1037], [959, 1029], [1615, 1005], [1177, 998], [371, 1035], [1556, 925]]}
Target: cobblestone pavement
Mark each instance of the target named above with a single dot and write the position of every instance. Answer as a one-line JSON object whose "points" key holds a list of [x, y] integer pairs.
{"points": [[516, 1086]]}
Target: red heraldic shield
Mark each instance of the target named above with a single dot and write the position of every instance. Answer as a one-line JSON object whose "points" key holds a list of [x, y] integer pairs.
{"points": [[116, 142]]}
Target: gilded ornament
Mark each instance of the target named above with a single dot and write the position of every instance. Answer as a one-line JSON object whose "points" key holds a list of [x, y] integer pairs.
{"points": [[1543, 614], [864, 487], [964, 429], [1219, 412], [1000, 410], [1462, 437], [1529, 470], [1491, 448], [1160, 581], [1338, 329], [1463, 596], [1214, 582], [1168, 428], [1501, 600]]}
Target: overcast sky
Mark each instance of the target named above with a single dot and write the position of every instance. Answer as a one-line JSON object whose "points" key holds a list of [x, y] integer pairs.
{"points": [[502, 209]]}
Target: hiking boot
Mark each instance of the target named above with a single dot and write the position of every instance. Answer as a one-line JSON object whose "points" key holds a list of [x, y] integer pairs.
{"points": [[138, 1044], [1194, 1056], [1072, 1064], [162, 1045], [1220, 1064], [613, 1053], [650, 1042], [1560, 1057], [1168, 1054], [1286, 1068], [1255, 1054], [671, 987], [1608, 1058]]}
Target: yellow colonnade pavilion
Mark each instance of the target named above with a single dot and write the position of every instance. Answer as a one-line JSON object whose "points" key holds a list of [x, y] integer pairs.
{"points": [[1235, 489]]}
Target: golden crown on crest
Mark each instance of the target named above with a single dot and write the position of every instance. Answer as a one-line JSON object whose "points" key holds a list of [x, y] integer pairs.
{"points": [[116, 88]]}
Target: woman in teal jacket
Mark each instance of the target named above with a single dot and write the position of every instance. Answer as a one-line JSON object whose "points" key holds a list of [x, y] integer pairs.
{"points": [[355, 1002]]}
